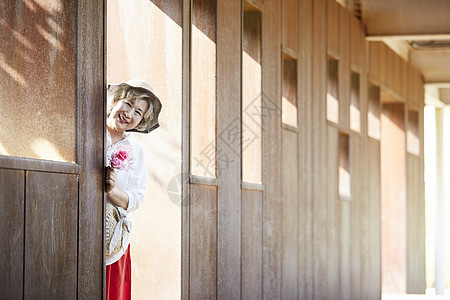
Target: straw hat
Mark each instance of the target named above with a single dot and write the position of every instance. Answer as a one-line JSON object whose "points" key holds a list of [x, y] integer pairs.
{"points": [[141, 86]]}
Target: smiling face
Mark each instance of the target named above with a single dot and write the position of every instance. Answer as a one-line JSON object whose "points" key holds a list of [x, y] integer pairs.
{"points": [[127, 114]]}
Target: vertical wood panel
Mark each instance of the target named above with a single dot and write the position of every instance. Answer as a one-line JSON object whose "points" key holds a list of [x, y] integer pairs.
{"points": [[344, 68], [383, 52], [12, 238], [203, 242], [374, 196], [252, 205], [415, 280], [333, 26], [271, 148], [289, 189], [393, 198], [355, 162], [333, 212], [319, 157], [305, 89], [290, 24], [345, 249], [355, 41], [374, 61], [90, 129], [51, 236], [229, 51]]}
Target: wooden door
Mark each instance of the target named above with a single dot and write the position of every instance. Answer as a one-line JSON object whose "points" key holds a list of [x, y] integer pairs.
{"points": [[51, 198]]}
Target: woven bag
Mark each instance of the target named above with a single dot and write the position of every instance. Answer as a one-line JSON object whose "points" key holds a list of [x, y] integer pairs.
{"points": [[112, 217]]}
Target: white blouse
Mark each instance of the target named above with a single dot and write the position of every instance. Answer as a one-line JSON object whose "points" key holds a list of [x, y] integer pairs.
{"points": [[133, 181]]}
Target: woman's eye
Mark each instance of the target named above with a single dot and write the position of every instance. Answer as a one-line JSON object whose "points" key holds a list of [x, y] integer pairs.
{"points": [[127, 104], [138, 113]]}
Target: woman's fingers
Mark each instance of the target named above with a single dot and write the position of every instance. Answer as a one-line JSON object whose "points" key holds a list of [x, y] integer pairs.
{"points": [[111, 178]]}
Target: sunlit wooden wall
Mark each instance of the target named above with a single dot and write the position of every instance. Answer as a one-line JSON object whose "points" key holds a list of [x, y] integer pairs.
{"points": [[312, 228]]}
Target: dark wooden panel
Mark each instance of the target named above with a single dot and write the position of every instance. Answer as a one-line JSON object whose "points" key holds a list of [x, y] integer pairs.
{"points": [[20, 163], [51, 236], [271, 147], [203, 239], [333, 26], [228, 106], [252, 206], [12, 189], [90, 140], [319, 148], [305, 88], [289, 180], [290, 24], [333, 211], [415, 220]]}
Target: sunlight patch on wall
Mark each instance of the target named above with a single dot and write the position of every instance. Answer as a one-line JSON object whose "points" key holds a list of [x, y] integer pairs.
{"points": [[46, 150]]}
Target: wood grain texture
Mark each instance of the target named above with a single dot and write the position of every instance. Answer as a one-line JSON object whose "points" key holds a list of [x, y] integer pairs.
{"points": [[271, 148], [333, 26], [186, 163], [289, 180], [319, 146], [229, 51], [355, 41], [374, 207], [90, 140], [305, 90], [415, 231], [252, 209], [374, 61], [12, 183], [20, 163], [344, 68], [290, 24], [356, 176], [203, 242], [51, 236], [333, 213]]}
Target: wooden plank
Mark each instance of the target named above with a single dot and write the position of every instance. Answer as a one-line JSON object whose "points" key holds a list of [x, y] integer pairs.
{"points": [[383, 60], [229, 52], [319, 146], [305, 89], [393, 198], [333, 211], [344, 68], [374, 207], [333, 26], [90, 141], [415, 235], [12, 238], [355, 165], [355, 42], [51, 220], [186, 154], [290, 24], [374, 61], [203, 242], [20, 163], [252, 206], [289, 180], [271, 147]]}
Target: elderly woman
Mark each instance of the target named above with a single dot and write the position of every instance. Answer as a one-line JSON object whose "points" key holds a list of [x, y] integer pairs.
{"points": [[132, 106]]}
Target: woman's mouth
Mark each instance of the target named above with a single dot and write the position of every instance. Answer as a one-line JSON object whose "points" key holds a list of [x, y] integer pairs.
{"points": [[122, 120]]}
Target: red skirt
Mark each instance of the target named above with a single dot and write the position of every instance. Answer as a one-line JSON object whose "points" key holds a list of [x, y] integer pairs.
{"points": [[118, 278]]}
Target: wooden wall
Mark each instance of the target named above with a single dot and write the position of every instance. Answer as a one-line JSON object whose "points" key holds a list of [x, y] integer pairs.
{"points": [[312, 230], [52, 241]]}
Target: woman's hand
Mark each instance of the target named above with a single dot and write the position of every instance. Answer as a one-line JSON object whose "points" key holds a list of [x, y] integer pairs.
{"points": [[115, 194], [111, 179]]}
